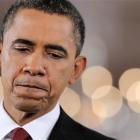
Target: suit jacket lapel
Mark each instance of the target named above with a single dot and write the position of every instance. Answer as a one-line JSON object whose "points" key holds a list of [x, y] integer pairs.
{"points": [[64, 129], [67, 129], [57, 132]]}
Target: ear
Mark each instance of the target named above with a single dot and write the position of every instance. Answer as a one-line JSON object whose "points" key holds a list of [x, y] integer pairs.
{"points": [[79, 67]]}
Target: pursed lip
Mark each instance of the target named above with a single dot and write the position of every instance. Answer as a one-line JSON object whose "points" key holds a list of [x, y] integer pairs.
{"points": [[32, 85]]}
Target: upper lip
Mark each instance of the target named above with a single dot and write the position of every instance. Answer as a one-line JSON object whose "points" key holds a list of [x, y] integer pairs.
{"points": [[32, 85]]}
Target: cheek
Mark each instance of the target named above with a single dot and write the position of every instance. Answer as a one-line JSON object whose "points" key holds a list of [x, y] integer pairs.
{"points": [[60, 76], [9, 69], [62, 71], [7, 78]]}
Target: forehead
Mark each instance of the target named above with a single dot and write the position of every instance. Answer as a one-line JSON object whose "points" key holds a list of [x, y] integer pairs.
{"points": [[41, 18], [40, 25]]}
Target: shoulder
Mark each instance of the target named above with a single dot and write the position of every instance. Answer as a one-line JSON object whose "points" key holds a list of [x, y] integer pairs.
{"points": [[73, 130]]}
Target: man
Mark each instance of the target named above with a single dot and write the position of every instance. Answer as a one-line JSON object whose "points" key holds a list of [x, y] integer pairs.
{"points": [[41, 41]]}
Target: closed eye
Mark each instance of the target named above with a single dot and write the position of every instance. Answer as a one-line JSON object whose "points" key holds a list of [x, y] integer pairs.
{"points": [[55, 55], [56, 51], [22, 49], [23, 45]]}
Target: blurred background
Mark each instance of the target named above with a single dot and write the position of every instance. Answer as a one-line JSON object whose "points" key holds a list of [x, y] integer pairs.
{"points": [[107, 97]]}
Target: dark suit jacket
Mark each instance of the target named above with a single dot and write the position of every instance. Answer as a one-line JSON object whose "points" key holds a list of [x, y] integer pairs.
{"points": [[68, 129]]}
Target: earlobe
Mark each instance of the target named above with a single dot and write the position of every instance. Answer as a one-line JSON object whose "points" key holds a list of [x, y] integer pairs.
{"points": [[79, 67]]}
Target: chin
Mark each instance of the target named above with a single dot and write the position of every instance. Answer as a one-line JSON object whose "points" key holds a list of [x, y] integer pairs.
{"points": [[27, 108]]}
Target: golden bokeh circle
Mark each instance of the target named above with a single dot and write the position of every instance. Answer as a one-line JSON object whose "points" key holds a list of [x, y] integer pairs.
{"points": [[95, 77], [106, 101], [127, 79]]}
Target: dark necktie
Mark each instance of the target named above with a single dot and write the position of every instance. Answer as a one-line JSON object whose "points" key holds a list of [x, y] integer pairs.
{"points": [[20, 134]]}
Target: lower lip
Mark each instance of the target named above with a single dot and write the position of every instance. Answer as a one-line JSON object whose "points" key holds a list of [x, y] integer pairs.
{"points": [[29, 92]]}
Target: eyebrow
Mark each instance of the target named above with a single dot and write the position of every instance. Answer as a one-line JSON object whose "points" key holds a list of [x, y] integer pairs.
{"points": [[24, 41], [56, 47]]}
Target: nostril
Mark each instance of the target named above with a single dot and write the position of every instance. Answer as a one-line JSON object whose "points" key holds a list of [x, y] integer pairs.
{"points": [[40, 74], [27, 72]]}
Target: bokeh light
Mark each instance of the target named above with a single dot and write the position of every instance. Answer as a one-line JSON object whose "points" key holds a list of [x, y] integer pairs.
{"points": [[106, 101], [133, 93], [134, 105], [70, 102], [133, 97], [127, 79], [86, 117], [95, 77]]}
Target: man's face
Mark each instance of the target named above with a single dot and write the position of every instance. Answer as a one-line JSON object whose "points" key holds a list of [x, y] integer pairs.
{"points": [[38, 61]]}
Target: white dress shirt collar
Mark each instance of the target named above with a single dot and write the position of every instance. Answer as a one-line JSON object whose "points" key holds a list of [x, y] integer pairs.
{"points": [[39, 129]]}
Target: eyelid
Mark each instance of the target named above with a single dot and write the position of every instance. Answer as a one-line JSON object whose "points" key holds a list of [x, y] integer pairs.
{"points": [[22, 46], [57, 52]]}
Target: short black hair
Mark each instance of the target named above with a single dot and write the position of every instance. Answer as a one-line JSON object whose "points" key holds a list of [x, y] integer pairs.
{"points": [[60, 7]]}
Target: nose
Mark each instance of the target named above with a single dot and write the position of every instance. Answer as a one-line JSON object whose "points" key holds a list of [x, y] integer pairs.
{"points": [[34, 65]]}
